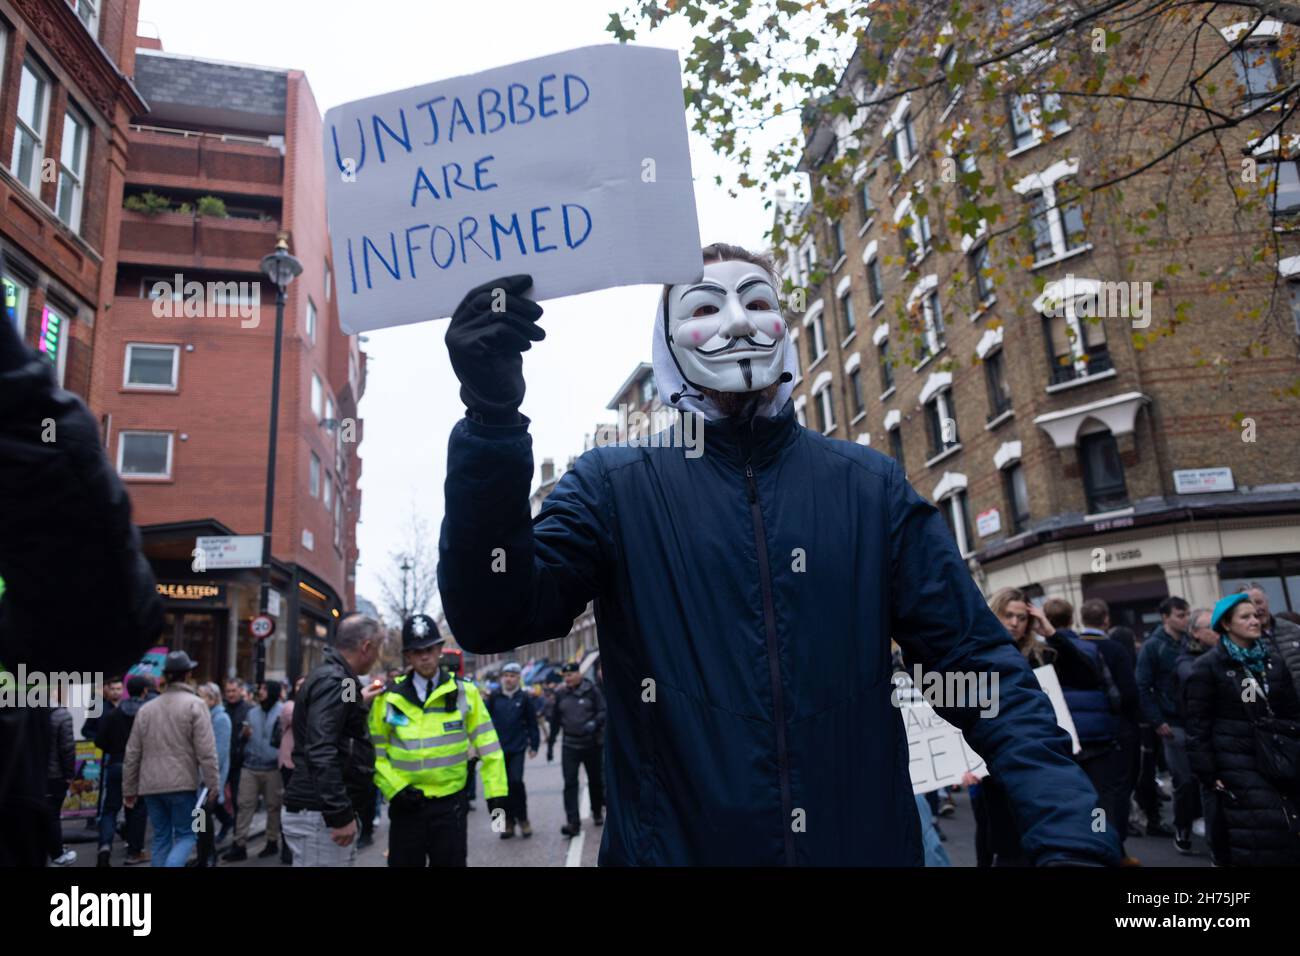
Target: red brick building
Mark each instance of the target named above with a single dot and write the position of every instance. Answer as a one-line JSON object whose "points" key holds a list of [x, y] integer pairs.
{"points": [[227, 159], [66, 102]]}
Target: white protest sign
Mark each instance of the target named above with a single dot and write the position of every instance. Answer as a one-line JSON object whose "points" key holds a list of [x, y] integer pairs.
{"points": [[572, 168], [1051, 685], [937, 753]]}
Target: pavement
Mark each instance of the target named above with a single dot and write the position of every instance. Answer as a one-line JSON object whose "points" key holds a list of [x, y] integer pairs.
{"points": [[548, 847]]}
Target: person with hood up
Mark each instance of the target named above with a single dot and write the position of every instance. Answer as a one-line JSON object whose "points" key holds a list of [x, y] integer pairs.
{"points": [[1239, 698], [260, 775], [580, 713], [744, 597]]}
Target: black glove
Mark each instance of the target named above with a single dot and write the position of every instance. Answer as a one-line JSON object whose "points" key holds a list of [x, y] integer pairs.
{"points": [[550, 754], [496, 803], [487, 347]]}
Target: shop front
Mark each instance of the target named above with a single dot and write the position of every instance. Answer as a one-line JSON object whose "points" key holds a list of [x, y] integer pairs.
{"points": [[207, 613]]}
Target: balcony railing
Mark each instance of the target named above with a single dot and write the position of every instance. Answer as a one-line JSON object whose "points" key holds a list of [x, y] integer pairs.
{"points": [[182, 240]]}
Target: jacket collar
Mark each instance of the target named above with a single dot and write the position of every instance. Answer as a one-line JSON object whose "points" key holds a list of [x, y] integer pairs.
{"points": [[405, 686], [757, 439], [334, 657]]}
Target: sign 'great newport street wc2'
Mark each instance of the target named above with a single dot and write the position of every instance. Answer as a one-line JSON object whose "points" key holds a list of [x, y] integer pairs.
{"points": [[573, 168]]}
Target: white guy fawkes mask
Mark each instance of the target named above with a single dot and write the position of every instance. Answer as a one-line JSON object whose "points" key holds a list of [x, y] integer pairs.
{"points": [[726, 331]]}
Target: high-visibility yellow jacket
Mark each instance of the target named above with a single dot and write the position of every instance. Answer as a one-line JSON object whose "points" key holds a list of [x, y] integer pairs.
{"points": [[428, 745]]}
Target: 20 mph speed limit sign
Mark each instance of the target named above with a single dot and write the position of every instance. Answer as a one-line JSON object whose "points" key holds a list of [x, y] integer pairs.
{"points": [[262, 626]]}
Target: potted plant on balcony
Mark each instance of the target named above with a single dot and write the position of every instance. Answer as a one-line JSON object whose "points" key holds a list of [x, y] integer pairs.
{"points": [[149, 203], [212, 206]]}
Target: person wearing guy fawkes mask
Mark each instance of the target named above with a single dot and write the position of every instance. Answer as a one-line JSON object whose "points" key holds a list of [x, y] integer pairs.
{"points": [[744, 600]]}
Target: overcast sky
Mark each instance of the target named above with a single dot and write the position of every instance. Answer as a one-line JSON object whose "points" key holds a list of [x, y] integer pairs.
{"points": [[351, 50]]}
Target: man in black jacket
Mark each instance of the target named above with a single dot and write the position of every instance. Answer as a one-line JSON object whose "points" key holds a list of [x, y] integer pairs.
{"points": [[514, 715], [114, 732], [580, 713], [333, 758], [64, 516]]}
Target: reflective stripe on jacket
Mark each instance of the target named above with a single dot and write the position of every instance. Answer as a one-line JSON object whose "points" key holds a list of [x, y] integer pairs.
{"points": [[427, 745]]}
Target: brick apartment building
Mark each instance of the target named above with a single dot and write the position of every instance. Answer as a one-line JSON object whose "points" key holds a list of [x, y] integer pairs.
{"points": [[66, 101], [1065, 459], [227, 159]]}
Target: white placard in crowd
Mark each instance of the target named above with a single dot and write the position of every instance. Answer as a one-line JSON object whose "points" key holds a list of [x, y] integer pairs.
{"points": [[572, 168], [938, 755], [1051, 685]]}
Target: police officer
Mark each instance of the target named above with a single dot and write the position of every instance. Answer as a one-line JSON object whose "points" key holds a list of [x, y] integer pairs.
{"points": [[424, 726], [580, 713]]}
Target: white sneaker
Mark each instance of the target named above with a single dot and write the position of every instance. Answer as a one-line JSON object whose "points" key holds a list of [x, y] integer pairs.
{"points": [[1198, 826], [66, 858]]}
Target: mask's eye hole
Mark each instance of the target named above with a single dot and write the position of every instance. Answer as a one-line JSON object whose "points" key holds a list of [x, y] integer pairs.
{"points": [[760, 305], [704, 310]]}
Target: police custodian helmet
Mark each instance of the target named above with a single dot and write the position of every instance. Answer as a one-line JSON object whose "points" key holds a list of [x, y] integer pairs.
{"points": [[420, 631]]}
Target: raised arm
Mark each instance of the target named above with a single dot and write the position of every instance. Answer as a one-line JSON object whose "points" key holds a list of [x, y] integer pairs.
{"points": [[941, 620], [506, 579]]}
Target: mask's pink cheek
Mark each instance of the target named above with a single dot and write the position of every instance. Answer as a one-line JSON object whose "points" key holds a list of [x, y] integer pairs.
{"points": [[776, 330], [695, 337]]}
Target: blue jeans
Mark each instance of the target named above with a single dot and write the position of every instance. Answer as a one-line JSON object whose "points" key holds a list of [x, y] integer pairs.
{"points": [[935, 854], [172, 816]]}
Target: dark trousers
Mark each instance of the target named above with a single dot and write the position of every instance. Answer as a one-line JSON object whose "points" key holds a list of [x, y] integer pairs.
{"points": [[1148, 797], [1216, 829], [1128, 743], [431, 833], [367, 811], [56, 791], [207, 848], [233, 813], [571, 759], [137, 818], [471, 780], [517, 798], [1106, 769]]}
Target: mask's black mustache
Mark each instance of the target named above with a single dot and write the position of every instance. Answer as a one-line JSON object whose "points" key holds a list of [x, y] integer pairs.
{"points": [[747, 372], [733, 343]]}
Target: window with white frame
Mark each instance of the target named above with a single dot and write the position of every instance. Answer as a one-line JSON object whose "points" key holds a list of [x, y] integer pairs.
{"points": [[977, 260], [1258, 70], [1055, 215], [33, 120], [896, 444], [1281, 180], [913, 231], [948, 65], [821, 396], [15, 300], [338, 520], [311, 320], [88, 13], [317, 396], [1103, 469], [846, 312], [314, 479], [1031, 114], [1074, 333], [903, 142], [329, 408], [855, 391], [817, 336], [875, 281], [326, 491], [886, 366], [142, 454], [941, 426], [866, 209], [72, 168], [995, 380], [329, 282], [837, 238], [932, 316], [1017, 496], [151, 366]]}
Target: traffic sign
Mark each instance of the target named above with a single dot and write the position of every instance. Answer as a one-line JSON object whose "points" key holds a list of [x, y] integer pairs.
{"points": [[262, 627]]}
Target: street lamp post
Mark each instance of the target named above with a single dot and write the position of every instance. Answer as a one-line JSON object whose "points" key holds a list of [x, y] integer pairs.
{"points": [[406, 567], [281, 268]]}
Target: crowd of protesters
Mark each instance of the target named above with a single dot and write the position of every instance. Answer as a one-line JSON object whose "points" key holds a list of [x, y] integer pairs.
{"points": [[1208, 696]]}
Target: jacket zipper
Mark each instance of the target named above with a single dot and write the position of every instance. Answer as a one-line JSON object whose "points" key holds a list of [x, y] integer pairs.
{"points": [[773, 662]]}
